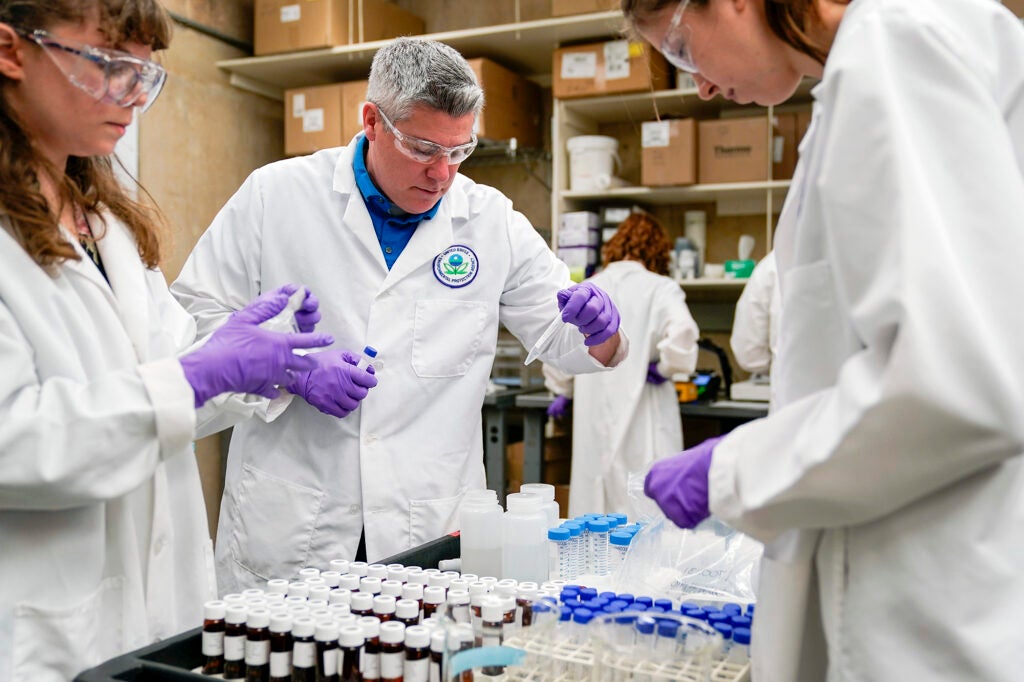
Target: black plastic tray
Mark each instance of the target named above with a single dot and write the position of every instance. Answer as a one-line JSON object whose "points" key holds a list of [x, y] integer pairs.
{"points": [[172, 660]]}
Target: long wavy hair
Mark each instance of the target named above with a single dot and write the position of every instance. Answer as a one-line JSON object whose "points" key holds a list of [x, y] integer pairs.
{"points": [[788, 19], [88, 182], [640, 237]]}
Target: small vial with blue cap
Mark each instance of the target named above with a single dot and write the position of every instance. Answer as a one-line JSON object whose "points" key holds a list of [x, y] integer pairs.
{"points": [[367, 358]]}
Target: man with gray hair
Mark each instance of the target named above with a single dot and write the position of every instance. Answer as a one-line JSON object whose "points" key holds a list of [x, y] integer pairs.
{"points": [[415, 260]]}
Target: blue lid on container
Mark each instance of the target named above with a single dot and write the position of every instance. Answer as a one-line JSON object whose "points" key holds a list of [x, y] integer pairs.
{"points": [[718, 617], [619, 539], [724, 629], [645, 626], [689, 605], [621, 517], [734, 609], [575, 529], [614, 607], [626, 617], [626, 597], [559, 534], [587, 593], [593, 604], [655, 609], [741, 635], [664, 604], [636, 606], [565, 613], [740, 622], [370, 350], [620, 603], [583, 616], [668, 628], [699, 614], [645, 600], [750, 610], [607, 595], [612, 521], [597, 526]]}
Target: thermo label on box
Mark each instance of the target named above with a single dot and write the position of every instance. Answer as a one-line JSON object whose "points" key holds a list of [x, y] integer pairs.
{"points": [[290, 13], [298, 105], [579, 65], [616, 59], [654, 134], [313, 121]]}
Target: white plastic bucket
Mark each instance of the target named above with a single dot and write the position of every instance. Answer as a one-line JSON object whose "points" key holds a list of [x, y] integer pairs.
{"points": [[592, 162]]}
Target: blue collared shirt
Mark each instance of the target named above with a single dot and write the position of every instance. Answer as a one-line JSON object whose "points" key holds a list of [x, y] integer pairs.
{"points": [[394, 227]]}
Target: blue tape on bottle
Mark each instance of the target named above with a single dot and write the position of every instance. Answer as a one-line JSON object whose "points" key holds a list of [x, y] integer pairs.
{"points": [[485, 656]]}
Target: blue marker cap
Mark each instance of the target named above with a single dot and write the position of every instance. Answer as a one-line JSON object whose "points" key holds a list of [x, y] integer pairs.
{"points": [[741, 635]]}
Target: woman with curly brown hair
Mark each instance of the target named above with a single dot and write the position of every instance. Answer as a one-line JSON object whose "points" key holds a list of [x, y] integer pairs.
{"points": [[104, 542], [624, 419]]}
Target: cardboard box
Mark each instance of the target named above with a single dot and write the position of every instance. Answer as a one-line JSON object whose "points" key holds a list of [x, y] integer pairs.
{"points": [[668, 152], [322, 116], [561, 8], [733, 150], [289, 25], [784, 143], [562, 498], [1016, 6], [512, 105], [607, 68]]}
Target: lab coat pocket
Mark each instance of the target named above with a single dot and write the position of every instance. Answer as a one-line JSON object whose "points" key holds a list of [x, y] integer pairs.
{"points": [[430, 519], [56, 644], [446, 337], [274, 523]]}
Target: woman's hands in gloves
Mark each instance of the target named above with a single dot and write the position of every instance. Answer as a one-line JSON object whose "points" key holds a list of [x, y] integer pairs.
{"points": [[589, 308], [679, 484], [653, 375], [336, 385], [242, 357], [558, 406]]}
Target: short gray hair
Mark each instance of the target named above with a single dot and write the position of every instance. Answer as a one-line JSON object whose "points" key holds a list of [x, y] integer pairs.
{"points": [[412, 71]]}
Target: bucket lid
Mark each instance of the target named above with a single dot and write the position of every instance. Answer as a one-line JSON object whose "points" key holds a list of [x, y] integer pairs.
{"points": [[592, 142]]}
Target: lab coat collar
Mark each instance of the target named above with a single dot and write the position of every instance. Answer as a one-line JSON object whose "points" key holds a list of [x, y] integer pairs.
{"points": [[120, 255]]}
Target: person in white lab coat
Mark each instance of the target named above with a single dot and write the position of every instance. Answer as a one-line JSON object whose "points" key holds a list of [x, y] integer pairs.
{"points": [[888, 483], [104, 542], [423, 264], [755, 325], [624, 419]]}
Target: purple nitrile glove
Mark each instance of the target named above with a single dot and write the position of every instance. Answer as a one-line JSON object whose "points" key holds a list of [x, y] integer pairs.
{"points": [[558, 406], [679, 484], [307, 317], [653, 375], [242, 357], [335, 386], [590, 309]]}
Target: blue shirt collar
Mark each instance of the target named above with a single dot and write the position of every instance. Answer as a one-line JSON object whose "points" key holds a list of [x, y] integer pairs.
{"points": [[374, 199]]}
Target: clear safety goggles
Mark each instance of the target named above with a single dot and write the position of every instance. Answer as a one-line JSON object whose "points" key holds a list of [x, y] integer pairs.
{"points": [[105, 74], [675, 46], [425, 151]]}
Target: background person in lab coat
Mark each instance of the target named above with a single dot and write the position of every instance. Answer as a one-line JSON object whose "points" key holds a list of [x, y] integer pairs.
{"points": [[888, 483], [104, 543], [624, 419], [755, 325], [423, 264]]}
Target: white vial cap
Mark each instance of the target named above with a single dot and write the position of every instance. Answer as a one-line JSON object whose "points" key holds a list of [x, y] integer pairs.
{"points": [[236, 613], [506, 588], [347, 619], [358, 567], [377, 571], [489, 580], [478, 587], [397, 572], [339, 596], [412, 591], [392, 632], [407, 608], [370, 584], [370, 626], [349, 581], [319, 592], [281, 622], [303, 626], [294, 599], [316, 603], [416, 577], [433, 595], [326, 631], [309, 572], [491, 610], [274, 598], [330, 578], [277, 586], [439, 580], [458, 597], [234, 598], [351, 636], [469, 577], [392, 587], [322, 613], [314, 581], [339, 609], [417, 637], [339, 565], [384, 603], [362, 601], [526, 590], [298, 589], [215, 610], [458, 584], [298, 609], [258, 618]]}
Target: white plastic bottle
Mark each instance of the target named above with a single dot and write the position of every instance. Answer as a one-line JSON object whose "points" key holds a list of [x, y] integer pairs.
{"points": [[525, 551], [546, 492], [480, 533]]}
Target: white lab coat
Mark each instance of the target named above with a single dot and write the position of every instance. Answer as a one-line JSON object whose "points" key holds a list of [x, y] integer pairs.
{"points": [[298, 490], [621, 423], [889, 485], [755, 327], [104, 543]]}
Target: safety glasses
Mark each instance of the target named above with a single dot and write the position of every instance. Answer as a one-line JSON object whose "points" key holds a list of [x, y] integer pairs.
{"points": [[105, 74], [425, 151], [675, 46]]}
